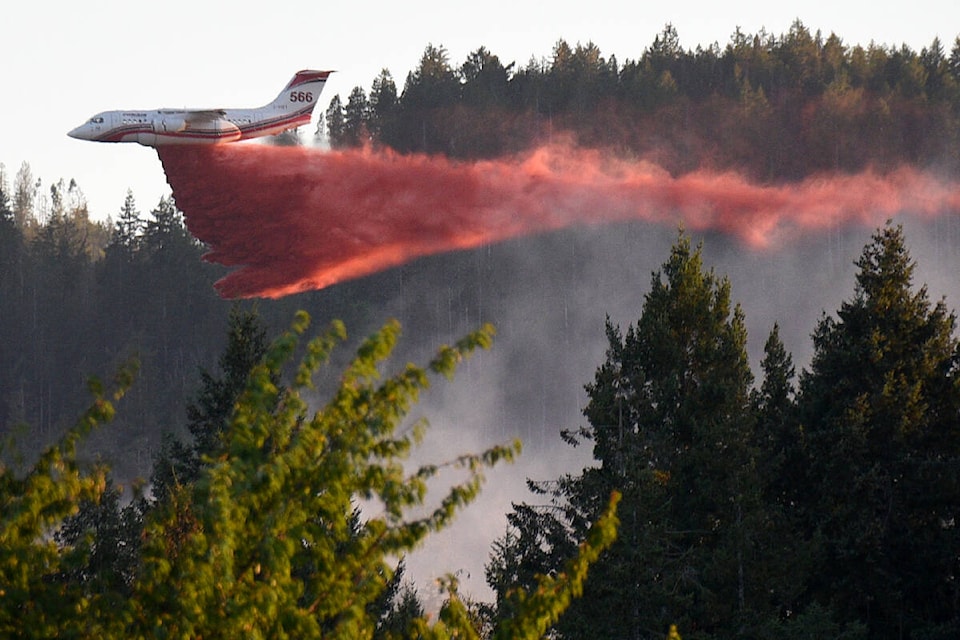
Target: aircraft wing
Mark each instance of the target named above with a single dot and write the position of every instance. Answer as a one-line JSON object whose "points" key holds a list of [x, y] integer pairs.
{"points": [[209, 124], [203, 116]]}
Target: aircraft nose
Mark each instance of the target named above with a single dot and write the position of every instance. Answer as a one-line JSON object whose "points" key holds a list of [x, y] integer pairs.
{"points": [[87, 131]]}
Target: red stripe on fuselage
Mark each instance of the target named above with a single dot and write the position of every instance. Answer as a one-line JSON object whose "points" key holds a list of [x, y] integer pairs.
{"points": [[255, 129], [280, 123]]}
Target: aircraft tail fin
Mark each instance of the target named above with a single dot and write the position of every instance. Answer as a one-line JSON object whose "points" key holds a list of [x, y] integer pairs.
{"points": [[302, 91]]}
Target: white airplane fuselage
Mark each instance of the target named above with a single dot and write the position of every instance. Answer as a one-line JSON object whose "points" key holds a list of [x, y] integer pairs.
{"points": [[292, 108]]}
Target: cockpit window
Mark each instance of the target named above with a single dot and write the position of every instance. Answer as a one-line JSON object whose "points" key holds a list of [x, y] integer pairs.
{"points": [[96, 120]]}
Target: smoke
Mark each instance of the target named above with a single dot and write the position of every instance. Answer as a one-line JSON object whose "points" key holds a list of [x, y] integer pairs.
{"points": [[296, 219]]}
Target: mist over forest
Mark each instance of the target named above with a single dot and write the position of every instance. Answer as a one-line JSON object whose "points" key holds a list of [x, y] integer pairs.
{"points": [[79, 295]]}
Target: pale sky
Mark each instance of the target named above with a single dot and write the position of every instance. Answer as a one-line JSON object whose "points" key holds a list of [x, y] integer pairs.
{"points": [[62, 61]]}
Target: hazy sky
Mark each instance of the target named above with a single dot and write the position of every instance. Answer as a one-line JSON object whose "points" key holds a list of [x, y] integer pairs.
{"points": [[64, 61]]}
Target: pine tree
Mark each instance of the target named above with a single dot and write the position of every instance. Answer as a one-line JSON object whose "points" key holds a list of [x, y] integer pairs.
{"points": [[107, 533]]}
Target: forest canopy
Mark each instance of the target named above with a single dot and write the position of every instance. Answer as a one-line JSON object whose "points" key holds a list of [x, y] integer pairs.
{"points": [[774, 107]]}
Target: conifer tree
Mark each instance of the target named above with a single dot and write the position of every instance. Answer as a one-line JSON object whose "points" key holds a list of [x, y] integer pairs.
{"points": [[670, 422], [128, 227], [879, 410], [383, 107], [783, 555], [107, 533], [335, 122], [356, 119], [209, 413]]}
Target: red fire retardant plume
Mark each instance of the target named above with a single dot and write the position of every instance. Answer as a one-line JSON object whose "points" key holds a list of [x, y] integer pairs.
{"points": [[296, 219]]}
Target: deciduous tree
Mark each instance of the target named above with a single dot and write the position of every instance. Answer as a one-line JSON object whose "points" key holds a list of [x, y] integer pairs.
{"points": [[267, 541]]}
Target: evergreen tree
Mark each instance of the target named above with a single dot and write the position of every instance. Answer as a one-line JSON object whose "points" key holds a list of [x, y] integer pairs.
{"points": [[777, 433], [336, 125], [670, 421], [128, 227], [397, 607], [211, 410], [121, 272], [483, 121], [356, 118], [953, 64], [165, 231], [485, 80], [383, 107], [429, 92], [784, 555], [107, 534], [879, 408]]}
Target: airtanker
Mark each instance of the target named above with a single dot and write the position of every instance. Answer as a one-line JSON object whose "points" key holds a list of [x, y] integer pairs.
{"points": [[291, 109]]}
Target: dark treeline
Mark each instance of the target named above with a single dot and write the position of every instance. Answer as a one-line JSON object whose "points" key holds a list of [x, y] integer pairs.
{"points": [[79, 297], [775, 107]]}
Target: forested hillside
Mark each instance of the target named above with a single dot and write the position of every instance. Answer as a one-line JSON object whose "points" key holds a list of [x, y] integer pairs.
{"points": [[766, 494], [775, 107]]}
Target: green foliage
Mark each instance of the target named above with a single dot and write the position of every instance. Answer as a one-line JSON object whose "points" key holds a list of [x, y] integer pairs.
{"points": [[36, 597], [266, 542], [107, 535], [280, 498], [540, 609], [745, 512]]}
